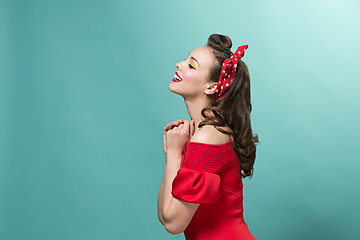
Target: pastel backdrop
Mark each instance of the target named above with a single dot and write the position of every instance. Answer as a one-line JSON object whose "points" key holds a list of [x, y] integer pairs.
{"points": [[84, 98]]}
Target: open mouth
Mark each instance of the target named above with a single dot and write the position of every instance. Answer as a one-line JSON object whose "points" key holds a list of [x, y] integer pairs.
{"points": [[177, 78]]}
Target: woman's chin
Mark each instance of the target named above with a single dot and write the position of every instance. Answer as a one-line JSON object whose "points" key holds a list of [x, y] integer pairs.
{"points": [[172, 88]]}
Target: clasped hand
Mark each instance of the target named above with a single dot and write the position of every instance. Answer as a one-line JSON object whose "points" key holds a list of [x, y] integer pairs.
{"points": [[176, 135]]}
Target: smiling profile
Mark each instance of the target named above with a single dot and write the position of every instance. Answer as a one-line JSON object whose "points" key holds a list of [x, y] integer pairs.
{"points": [[201, 193]]}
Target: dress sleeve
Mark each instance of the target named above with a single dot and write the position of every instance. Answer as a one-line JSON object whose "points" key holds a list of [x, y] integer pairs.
{"points": [[198, 179]]}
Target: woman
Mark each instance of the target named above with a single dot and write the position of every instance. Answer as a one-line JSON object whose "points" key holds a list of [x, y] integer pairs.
{"points": [[206, 158]]}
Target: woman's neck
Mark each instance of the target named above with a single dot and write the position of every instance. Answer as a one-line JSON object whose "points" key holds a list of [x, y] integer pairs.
{"points": [[194, 108]]}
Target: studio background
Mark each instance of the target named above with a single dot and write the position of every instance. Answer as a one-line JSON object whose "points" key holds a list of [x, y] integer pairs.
{"points": [[84, 98]]}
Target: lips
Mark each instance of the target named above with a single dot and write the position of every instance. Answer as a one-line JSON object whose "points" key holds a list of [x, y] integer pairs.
{"points": [[177, 78]]}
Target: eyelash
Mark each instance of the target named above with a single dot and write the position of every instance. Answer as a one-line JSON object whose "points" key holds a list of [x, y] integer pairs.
{"points": [[190, 66]]}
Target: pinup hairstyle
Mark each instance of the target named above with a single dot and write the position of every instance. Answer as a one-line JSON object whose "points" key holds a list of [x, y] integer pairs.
{"points": [[234, 109]]}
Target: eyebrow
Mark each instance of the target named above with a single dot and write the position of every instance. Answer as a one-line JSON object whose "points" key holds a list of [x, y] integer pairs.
{"points": [[194, 59]]}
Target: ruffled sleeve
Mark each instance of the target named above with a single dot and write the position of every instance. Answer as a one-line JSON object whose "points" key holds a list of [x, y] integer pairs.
{"points": [[196, 186], [198, 179]]}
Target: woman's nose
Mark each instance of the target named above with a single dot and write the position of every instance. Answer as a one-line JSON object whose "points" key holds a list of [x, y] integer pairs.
{"points": [[178, 65]]}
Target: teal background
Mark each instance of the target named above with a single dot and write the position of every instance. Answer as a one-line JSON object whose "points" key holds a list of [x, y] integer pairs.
{"points": [[84, 98]]}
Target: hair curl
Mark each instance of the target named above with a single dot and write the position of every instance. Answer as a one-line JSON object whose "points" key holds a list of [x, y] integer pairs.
{"points": [[233, 110]]}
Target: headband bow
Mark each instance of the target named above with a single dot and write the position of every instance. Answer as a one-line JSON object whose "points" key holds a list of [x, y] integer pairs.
{"points": [[228, 70]]}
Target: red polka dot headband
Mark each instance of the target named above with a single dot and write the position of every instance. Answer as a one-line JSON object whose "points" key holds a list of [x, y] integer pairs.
{"points": [[228, 70]]}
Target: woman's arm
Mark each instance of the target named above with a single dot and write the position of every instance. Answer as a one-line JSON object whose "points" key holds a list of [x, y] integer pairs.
{"points": [[173, 213], [161, 192], [160, 202]]}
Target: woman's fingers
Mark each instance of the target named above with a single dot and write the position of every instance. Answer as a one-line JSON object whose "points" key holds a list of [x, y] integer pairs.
{"points": [[168, 126], [173, 124], [185, 127], [181, 125], [186, 124]]}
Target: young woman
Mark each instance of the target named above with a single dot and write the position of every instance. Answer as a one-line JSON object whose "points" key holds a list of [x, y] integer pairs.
{"points": [[206, 158]]}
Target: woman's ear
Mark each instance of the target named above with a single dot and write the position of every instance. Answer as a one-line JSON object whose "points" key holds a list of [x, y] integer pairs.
{"points": [[210, 89]]}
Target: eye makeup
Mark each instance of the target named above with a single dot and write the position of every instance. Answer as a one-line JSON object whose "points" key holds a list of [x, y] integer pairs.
{"points": [[191, 64], [194, 60]]}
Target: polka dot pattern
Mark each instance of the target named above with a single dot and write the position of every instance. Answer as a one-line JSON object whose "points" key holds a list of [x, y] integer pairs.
{"points": [[228, 71]]}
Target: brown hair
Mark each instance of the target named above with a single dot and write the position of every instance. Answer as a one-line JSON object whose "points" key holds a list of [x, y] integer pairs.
{"points": [[235, 107]]}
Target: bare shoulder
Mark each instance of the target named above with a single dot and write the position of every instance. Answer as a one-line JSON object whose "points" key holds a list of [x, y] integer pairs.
{"points": [[210, 135]]}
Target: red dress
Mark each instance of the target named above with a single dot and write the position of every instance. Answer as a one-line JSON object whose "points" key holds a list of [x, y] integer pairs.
{"points": [[210, 175]]}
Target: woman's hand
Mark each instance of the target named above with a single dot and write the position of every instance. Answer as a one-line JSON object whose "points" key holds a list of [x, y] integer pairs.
{"points": [[176, 135]]}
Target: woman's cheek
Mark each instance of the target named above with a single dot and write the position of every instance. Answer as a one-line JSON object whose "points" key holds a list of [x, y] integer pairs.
{"points": [[190, 76]]}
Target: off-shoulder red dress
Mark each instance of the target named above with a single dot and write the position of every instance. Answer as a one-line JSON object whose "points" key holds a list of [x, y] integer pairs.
{"points": [[210, 175]]}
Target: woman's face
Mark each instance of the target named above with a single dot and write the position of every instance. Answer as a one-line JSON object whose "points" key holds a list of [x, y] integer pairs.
{"points": [[193, 73]]}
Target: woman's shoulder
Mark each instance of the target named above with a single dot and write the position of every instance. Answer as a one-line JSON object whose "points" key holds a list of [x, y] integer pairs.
{"points": [[210, 135]]}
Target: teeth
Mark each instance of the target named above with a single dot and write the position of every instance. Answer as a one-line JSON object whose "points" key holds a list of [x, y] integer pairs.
{"points": [[176, 77]]}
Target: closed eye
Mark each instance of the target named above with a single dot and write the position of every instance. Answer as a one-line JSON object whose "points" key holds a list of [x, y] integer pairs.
{"points": [[190, 66]]}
